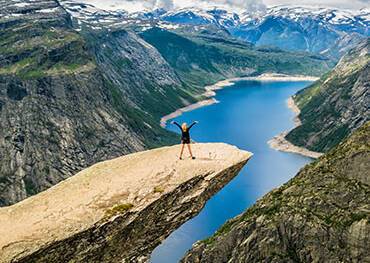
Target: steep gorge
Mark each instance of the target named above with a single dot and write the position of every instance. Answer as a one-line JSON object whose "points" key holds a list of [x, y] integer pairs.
{"points": [[71, 97], [322, 214]]}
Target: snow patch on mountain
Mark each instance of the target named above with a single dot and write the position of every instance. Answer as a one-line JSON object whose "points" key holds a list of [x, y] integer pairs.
{"points": [[296, 28]]}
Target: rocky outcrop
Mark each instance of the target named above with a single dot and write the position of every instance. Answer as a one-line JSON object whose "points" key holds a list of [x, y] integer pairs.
{"points": [[336, 105], [117, 210], [321, 215]]}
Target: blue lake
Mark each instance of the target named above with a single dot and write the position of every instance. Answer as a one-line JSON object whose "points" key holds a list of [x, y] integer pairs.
{"points": [[249, 114]]}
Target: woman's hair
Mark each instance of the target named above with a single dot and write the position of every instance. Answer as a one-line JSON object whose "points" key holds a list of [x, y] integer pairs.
{"points": [[184, 126]]}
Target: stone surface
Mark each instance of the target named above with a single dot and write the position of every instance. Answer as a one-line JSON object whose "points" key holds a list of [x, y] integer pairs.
{"points": [[117, 210], [321, 215]]}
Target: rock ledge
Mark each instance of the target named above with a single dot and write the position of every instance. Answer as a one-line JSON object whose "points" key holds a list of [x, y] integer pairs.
{"points": [[117, 210]]}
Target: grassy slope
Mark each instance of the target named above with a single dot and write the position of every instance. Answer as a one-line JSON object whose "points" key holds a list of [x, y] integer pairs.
{"points": [[202, 59], [335, 105]]}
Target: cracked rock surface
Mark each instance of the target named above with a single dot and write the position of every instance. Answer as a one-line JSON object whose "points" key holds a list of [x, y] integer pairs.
{"points": [[117, 210]]}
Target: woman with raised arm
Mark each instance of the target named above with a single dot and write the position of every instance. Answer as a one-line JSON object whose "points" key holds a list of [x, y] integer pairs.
{"points": [[185, 137]]}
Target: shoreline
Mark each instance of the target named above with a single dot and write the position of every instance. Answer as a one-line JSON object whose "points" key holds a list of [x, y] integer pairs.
{"points": [[281, 77], [190, 107], [280, 143], [210, 91]]}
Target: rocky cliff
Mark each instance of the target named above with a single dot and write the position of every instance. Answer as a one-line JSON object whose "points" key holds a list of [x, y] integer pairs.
{"points": [[321, 215], [64, 105], [336, 105], [141, 73], [118, 210]]}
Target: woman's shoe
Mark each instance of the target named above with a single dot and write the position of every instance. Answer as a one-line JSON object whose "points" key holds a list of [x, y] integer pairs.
{"points": [[193, 157]]}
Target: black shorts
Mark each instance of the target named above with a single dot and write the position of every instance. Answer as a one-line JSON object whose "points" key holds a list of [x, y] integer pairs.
{"points": [[185, 140]]}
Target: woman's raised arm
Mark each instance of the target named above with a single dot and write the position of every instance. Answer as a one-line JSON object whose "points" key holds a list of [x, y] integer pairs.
{"points": [[178, 125], [195, 122]]}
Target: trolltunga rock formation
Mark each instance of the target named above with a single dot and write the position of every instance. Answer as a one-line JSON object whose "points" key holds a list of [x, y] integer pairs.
{"points": [[118, 210]]}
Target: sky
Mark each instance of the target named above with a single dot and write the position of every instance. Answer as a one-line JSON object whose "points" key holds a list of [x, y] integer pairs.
{"points": [[235, 5]]}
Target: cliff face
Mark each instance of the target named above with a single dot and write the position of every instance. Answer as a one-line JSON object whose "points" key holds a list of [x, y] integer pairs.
{"points": [[321, 215], [62, 108], [141, 73], [117, 210], [336, 105]]}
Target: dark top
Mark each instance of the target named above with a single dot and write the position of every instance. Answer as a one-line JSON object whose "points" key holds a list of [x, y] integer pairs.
{"points": [[185, 135]]}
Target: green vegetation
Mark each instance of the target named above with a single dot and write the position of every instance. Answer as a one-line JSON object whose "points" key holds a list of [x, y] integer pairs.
{"points": [[268, 212], [153, 135], [335, 105], [224, 229], [304, 96], [33, 51], [118, 210], [315, 201], [16, 67], [48, 39], [31, 188], [201, 59], [158, 189]]}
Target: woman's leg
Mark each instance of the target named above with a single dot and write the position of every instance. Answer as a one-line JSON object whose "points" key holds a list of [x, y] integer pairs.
{"points": [[189, 148], [182, 149]]}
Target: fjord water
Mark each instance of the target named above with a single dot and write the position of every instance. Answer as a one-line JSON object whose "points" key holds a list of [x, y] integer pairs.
{"points": [[249, 114]]}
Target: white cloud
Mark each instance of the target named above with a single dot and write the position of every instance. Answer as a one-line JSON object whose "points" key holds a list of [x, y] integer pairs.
{"points": [[165, 4], [236, 5], [240, 4]]}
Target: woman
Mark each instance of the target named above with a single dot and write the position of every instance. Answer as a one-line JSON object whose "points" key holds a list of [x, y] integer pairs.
{"points": [[185, 137]]}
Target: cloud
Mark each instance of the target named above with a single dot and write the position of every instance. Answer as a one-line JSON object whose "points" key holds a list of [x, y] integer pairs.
{"points": [[251, 5], [234, 5], [165, 4]]}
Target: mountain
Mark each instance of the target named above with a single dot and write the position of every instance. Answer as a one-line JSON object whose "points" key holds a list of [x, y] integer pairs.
{"points": [[201, 58], [198, 16], [80, 85], [321, 215], [336, 105], [327, 31], [316, 30]]}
